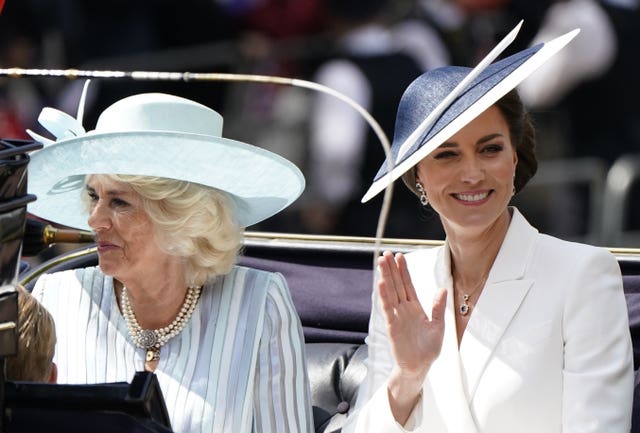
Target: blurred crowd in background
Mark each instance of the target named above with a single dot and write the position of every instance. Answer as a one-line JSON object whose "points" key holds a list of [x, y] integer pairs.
{"points": [[586, 104]]}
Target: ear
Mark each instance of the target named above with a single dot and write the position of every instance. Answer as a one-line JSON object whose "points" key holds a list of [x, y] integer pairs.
{"points": [[53, 374], [416, 173]]}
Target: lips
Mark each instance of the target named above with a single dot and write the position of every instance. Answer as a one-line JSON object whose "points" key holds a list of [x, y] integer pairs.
{"points": [[106, 246], [472, 197]]}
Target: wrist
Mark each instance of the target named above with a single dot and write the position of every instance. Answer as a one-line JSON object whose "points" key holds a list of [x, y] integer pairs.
{"points": [[406, 386], [410, 375], [404, 391]]}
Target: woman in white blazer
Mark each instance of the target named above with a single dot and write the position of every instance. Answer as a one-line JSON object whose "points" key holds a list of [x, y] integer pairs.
{"points": [[502, 329]]}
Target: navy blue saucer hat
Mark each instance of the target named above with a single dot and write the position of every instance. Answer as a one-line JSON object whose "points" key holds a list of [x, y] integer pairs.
{"points": [[442, 101]]}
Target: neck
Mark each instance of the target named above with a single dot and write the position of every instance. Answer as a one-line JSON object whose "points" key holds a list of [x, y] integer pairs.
{"points": [[473, 253], [154, 306]]}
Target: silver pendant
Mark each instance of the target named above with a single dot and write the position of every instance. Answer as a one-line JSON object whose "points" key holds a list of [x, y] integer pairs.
{"points": [[464, 309]]}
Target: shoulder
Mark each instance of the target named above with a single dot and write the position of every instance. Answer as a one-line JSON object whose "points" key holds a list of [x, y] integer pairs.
{"points": [[267, 295], [550, 253], [574, 254], [577, 271], [73, 286], [257, 284], [70, 279], [249, 276]]}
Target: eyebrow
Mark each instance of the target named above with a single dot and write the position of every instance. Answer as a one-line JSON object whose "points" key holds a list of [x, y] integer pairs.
{"points": [[112, 192], [481, 140]]}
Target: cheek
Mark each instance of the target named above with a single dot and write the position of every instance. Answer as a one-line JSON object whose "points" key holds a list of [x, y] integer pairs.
{"points": [[503, 168], [137, 232], [435, 181], [425, 173], [507, 172]]}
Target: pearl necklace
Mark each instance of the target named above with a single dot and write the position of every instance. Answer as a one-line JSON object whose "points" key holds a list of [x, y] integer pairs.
{"points": [[153, 339]]}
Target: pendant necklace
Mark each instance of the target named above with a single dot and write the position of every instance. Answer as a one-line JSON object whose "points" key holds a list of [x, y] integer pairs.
{"points": [[153, 339], [464, 307]]}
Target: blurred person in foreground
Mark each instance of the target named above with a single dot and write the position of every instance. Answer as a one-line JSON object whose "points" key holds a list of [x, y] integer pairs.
{"points": [[168, 198], [36, 342], [501, 329]]}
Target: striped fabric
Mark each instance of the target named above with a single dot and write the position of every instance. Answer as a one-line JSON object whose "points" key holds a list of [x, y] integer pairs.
{"points": [[238, 365]]}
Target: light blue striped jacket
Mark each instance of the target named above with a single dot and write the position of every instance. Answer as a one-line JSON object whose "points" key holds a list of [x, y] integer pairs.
{"points": [[238, 365]]}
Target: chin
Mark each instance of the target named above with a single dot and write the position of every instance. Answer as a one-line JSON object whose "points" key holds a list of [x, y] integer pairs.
{"points": [[475, 220], [107, 268]]}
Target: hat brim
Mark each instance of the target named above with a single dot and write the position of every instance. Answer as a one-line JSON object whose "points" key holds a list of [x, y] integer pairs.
{"points": [[424, 147], [260, 182]]}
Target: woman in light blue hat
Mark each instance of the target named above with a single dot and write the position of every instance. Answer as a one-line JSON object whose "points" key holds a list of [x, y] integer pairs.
{"points": [[168, 198], [502, 329]]}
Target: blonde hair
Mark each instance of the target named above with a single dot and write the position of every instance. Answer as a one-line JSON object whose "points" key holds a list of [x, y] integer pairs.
{"points": [[36, 341], [191, 221]]}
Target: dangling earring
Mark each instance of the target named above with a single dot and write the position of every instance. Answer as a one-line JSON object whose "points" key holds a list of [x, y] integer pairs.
{"points": [[513, 191], [424, 200]]}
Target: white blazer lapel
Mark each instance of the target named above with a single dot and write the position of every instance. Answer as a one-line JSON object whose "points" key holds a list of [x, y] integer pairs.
{"points": [[491, 318], [445, 374], [499, 302]]}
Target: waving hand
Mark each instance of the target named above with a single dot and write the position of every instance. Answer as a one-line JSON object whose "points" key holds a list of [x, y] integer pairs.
{"points": [[415, 339]]}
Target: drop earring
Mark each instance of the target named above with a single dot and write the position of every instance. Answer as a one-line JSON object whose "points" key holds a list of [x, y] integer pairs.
{"points": [[424, 200]]}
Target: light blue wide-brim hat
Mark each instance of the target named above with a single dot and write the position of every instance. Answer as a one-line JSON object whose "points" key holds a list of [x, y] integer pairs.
{"points": [[160, 135], [441, 102]]}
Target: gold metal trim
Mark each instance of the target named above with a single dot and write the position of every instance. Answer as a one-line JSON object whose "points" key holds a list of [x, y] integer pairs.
{"points": [[318, 242], [41, 269]]}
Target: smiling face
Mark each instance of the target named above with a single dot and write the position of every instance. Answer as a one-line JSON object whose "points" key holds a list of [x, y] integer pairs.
{"points": [[469, 178], [127, 247]]}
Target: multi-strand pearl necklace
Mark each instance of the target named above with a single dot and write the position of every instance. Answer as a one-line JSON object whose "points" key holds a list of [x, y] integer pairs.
{"points": [[153, 339]]}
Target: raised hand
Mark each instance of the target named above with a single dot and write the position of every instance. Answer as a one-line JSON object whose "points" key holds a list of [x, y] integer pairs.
{"points": [[415, 339]]}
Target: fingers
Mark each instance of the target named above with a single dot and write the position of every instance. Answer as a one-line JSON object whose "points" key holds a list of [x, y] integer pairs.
{"points": [[405, 278], [395, 273], [390, 275], [386, 287]]}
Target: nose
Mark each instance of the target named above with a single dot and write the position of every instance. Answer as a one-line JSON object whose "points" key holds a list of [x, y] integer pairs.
{"points": [[98, 217], [472, 170]]}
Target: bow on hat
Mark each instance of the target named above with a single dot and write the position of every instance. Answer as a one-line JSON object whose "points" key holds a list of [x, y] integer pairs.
{"points": [[158, 135], [60, 124]]}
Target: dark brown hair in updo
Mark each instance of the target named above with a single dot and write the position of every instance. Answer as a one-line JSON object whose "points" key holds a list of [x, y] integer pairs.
{"points": [[523, 137]]}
